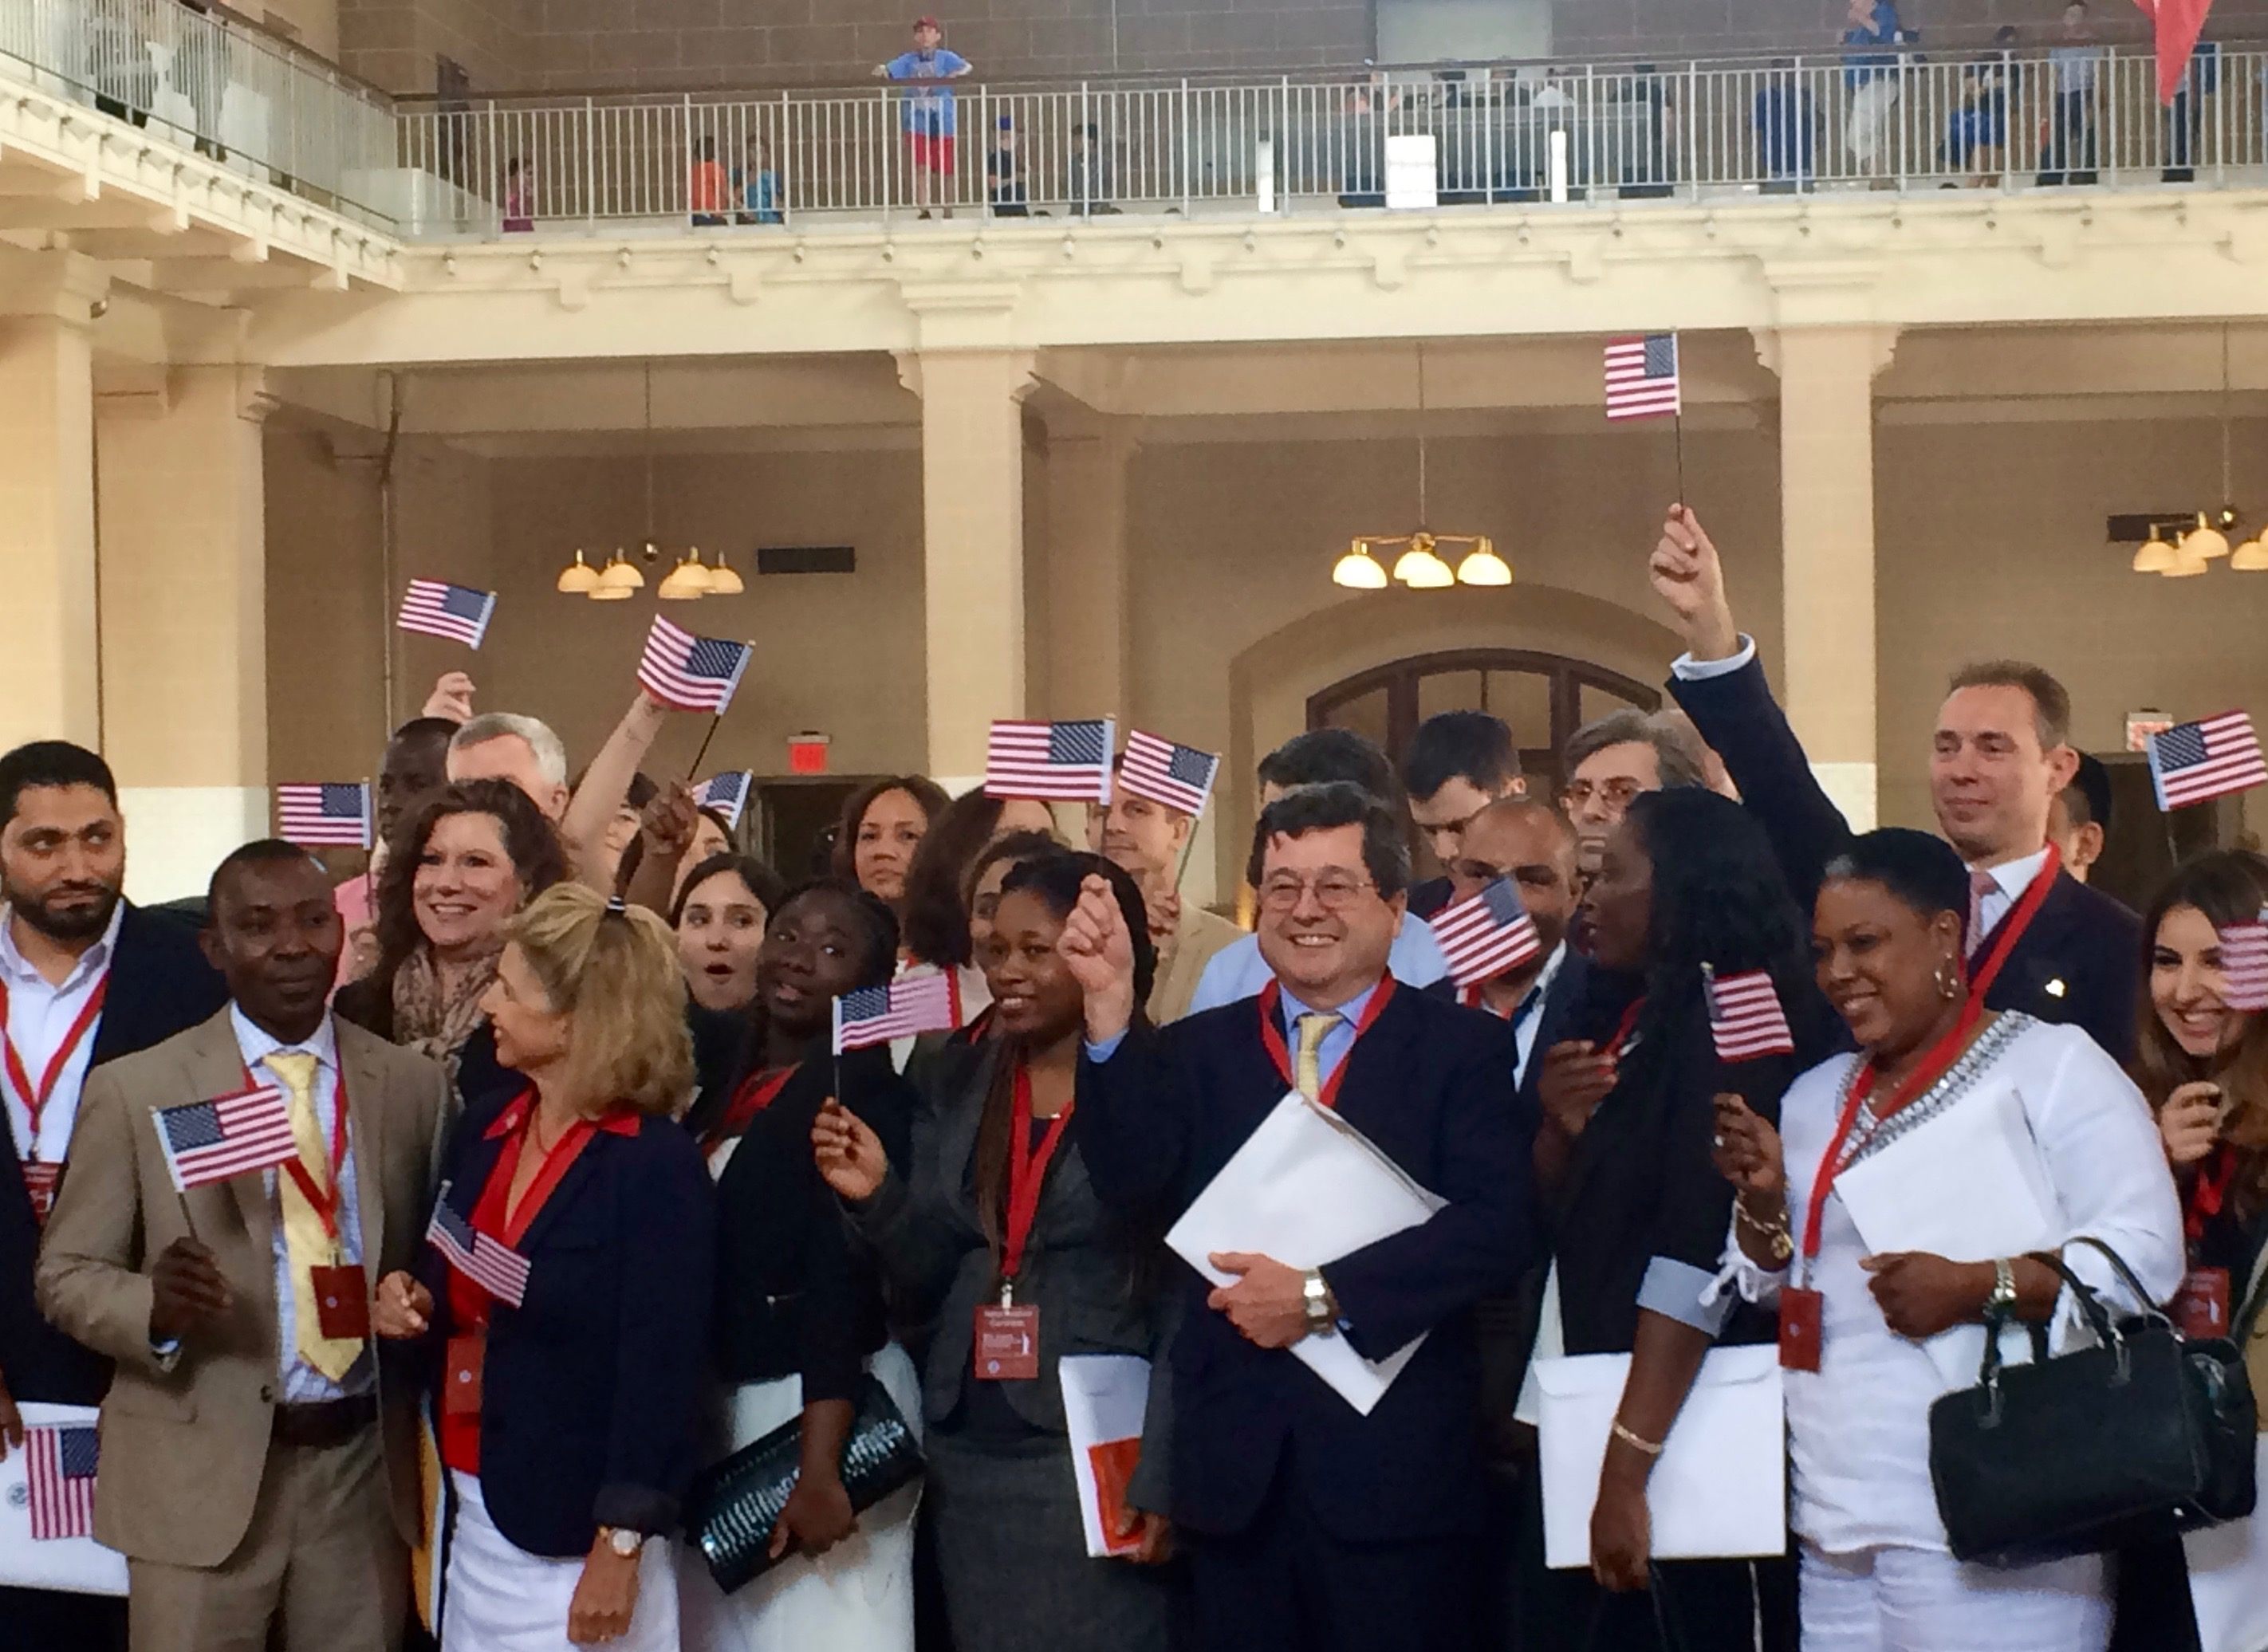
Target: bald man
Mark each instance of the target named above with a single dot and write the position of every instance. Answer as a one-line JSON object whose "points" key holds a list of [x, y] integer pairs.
{"points": [[1532, 845]]}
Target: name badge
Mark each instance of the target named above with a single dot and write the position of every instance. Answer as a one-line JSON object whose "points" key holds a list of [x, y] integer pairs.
{"points": [[39, 1182], [1800, 1313], [460, 1384], [2200, 1308], [1007, 1343], [341, 1301]]}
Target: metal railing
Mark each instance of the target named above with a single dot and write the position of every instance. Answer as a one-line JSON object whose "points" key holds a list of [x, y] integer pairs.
{"points": [[245, 100], [2007, 120]]}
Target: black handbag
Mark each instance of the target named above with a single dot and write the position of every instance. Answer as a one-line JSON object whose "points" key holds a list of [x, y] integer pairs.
{"points": [[2138, 1439], [733, 1505]]}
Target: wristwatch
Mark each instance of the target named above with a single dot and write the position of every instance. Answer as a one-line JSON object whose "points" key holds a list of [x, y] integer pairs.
{"points": [[2004, 1289], [1318, 1298], [624, 1542]]}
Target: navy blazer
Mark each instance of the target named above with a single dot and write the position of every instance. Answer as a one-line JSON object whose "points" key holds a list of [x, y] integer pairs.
{"points": [[2081, 961], [593, 1385], [160, 985], [1431, 1084]]}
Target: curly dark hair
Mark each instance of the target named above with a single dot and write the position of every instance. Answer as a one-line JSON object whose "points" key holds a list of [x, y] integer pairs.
{"points": [[537, 860], [936, 913], [923, 791]]}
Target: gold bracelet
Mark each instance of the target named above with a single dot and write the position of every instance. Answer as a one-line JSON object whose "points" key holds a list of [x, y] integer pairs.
{"points": [[1651, 1447], [1782, 1241]]}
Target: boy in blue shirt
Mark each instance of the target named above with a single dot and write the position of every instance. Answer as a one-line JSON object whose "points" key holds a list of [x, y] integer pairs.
{"points": [[928, 110]]}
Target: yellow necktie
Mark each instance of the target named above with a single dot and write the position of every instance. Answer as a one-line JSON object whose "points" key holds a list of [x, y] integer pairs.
{"points": [[1308, 1070], [306, 1242]]}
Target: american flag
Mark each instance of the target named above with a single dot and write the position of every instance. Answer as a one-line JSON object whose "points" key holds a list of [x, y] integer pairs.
{"points": [[488, 1262], [212, 1140], [1069, 761], [2195, 762], [875, 1015], [59, 1475], [1178, 776], [336, 813], [1642, 377], [1486, 934], [457, 611], [727, 794], [693, 673], [1745, 1018], [2244, 964]]}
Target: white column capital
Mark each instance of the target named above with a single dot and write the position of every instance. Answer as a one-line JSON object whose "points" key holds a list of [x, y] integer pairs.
{"points": [[1017, 369], [1882, 342], [67, 287]]}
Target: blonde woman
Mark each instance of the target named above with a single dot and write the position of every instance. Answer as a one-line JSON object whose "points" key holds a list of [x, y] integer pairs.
{"points": [[567, 1418]]}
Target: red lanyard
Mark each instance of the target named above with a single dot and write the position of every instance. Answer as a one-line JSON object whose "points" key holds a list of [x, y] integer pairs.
{"points": [[758, 1093], [2013, 928], [1933, 1066], [2209, 1192], [1027, 1173], [35, 1100], [1272, 1034], [326, 1200], [1623, 1028]]}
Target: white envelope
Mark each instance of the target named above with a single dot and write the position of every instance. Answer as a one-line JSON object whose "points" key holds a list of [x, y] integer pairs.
{"points": [[79, 1566], [2228, 1578], [1105, 1397], [1307, 1188], [1718, 1490]]}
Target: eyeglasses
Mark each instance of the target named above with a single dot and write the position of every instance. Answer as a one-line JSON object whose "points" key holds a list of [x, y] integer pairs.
{"points": [[1616, 793], [1334, 892]]}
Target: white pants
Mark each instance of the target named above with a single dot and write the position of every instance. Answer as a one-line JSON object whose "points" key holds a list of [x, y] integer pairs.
{"points": [[1923, 1600], [1866, 130], [501, 1599]]}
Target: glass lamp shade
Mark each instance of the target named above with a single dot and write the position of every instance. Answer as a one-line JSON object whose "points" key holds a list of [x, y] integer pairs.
{"points": [[723, 582], [1358, 571], [2205, 540], [1483, 567], [620, 575], [686, 582], [578, 578], [611, 593], [2187, 564], [2251, 557], [2156, 556], [1421, 568]]}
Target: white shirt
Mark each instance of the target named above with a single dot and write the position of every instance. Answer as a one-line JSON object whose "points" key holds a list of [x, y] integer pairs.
{"points": [[1858, 1427], [303, 1384], [39, 1016], [1524, 1025]]}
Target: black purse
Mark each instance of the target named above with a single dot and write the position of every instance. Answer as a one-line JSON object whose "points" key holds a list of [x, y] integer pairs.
{"points": [[733, 1505], [2136, 1440]]}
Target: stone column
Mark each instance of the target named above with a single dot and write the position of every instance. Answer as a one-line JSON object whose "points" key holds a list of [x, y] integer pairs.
{"points": [[1086, 648], [184, 617], [973, 548]]}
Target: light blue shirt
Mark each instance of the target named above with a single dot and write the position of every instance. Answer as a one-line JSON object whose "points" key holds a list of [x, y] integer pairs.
{"points": [[1328, 1053], [303, 1384], [1238, 971]]}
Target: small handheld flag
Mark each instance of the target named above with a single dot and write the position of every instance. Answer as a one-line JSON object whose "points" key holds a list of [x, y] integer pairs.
{"points": [[1068, 762], [1178, 776], [1745, 1017], [333, 814], [59, 1477], [212, 1140], [727, 794], [2196, 762], [489, 1263], [912, 1004], [1486, 934], [456, 612], [1642, 380], [692, 673], [2244, 964]]}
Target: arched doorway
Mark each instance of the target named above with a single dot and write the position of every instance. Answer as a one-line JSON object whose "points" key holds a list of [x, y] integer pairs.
{"points": [[1545, 697]]}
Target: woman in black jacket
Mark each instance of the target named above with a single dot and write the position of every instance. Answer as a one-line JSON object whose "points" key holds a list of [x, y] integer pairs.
{"points": [[1638, 1214], [799, 1317]]}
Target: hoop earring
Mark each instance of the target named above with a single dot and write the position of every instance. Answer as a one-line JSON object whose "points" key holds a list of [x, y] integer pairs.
{"points": [[1949, 981]]}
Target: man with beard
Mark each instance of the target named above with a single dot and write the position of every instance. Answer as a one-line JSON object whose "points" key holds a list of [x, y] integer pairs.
{"points": [[85, 977]]}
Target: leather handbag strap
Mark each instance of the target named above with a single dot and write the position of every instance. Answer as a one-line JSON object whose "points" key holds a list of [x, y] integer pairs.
{"points": [[2126, 1273]]}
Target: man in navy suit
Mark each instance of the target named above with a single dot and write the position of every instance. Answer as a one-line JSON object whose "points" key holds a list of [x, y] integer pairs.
{"points": [[2000, 755], [1459, 763], [1310, 1524], [85, 977]]}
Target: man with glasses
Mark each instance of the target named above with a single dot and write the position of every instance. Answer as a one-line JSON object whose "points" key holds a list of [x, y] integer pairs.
{"points": [[1295, 1508], [1459, 763], [1610, 761]]}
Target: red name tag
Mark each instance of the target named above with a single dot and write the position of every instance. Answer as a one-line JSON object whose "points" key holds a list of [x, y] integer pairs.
{"points": [[1798, 1328], [460, 1384], [2200, 1308], [1007, 1344], [341, 1301], [40, 1183]]}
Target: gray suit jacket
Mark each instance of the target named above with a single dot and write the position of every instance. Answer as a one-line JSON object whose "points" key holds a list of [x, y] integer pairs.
{"points": [[184, 1448], [1099, 1288]]}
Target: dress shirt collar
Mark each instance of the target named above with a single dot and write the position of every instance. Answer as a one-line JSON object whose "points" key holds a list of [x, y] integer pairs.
{"points": [[1351, 1011], [1546, 976], [22, 972], [257, 1044], [2015, 876]]}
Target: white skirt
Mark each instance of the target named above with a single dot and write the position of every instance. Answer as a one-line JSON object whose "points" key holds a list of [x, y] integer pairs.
{"points": [[858, 1597], [501, 1599]]}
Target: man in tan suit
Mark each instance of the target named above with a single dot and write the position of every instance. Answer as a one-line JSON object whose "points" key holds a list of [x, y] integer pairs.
{"points": [[1145, 839], [259, 1464]]}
